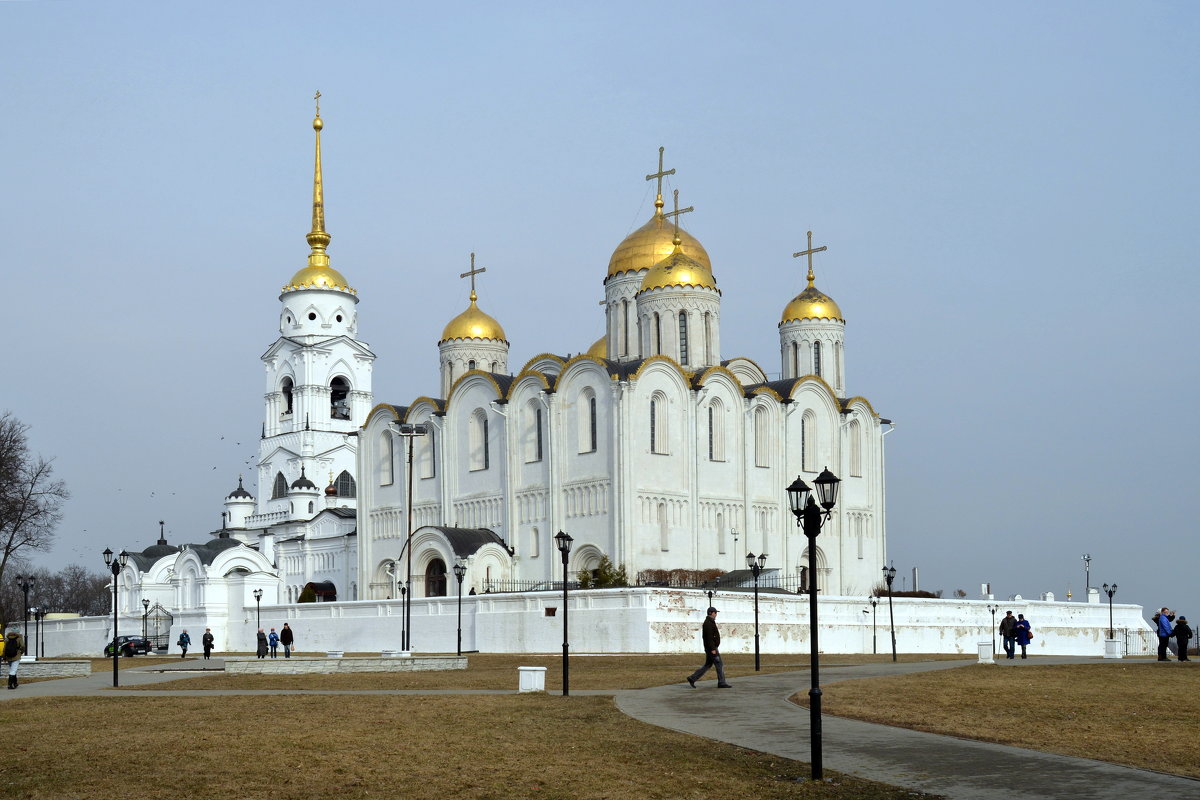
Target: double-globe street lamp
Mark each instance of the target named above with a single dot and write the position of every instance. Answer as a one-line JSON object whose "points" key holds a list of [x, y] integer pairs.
{"points": [[460, 572], [992, 607], [889, 575], [756, 564], [116, 565], [145, 616], [563, 541], [874, 601], [258, 593], [409, 431], [810, 518], [1110, 591], [40, 626]]}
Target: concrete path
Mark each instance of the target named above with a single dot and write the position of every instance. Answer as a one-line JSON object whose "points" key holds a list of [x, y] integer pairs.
{"points": [[756, 714]]}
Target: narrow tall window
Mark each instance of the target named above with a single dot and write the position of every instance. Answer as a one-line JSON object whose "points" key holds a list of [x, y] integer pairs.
{"points": [[286, 388], [657, 334], [471, 364], [708, 340], [345, 485], [428, 454], [807, 442], [387, 458], [720, 533], [658, 424], [653, 425], [477, 439], [761, 440], [683, 338], [855, 450], [339, 399], [624, 351], [537, 432], [716, 431], [795, 360], [664, 531], [280, 487], [817, 359], [592, 423]]}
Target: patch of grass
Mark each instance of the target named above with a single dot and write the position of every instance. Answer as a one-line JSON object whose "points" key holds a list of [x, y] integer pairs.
{"points": [[424, 748], [1131, 713]]}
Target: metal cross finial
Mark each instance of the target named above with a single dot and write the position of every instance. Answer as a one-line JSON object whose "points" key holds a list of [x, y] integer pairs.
{"points": [[472, 272], [809, 252], [317, 97], [661, 173], [678, 211]]}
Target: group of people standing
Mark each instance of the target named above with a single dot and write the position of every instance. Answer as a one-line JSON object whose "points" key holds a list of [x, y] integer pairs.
{"points": [[1016, 631], [1169, 627], [270, 642]]}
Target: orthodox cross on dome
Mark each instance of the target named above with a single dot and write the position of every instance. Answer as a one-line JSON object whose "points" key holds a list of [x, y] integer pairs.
{"points": [[472, 272], [658, 203], [809, 252], [317, 97], [677, 212]]}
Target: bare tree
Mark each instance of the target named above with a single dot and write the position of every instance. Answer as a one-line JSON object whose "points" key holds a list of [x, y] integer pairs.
{"points": [[30, 497]]}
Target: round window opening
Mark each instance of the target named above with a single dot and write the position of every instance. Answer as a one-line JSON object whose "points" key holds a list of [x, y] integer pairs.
{"points": [[311, 315], [339, 317], [289, 319]]}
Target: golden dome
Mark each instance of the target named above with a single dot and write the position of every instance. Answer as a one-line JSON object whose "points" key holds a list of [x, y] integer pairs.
{"points": [[678, 269], [318, 277], [812, 303], [653, 242], [472, 324], [600, 348]]}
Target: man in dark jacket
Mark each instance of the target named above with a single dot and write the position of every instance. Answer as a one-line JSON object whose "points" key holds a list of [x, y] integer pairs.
{"points": [[1182, 632], [1008, 631], [712, 653]]}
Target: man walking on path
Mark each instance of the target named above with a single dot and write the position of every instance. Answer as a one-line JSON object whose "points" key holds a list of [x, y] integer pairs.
{"points": [[712, 654], [1008, 630]]}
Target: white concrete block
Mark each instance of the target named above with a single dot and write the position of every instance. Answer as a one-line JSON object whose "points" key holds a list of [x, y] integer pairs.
{"points": [[532, 679]]}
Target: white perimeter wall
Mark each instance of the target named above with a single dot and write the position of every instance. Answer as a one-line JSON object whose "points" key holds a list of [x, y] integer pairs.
{"points": [[634, 620]]}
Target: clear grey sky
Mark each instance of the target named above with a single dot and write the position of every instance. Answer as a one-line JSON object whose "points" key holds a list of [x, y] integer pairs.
{"points": [[1008, 194]]}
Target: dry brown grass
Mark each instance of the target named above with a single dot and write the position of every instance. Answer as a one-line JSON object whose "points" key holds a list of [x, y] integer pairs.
{"points": [[494, 671], [424, 748], [1133, 713]]}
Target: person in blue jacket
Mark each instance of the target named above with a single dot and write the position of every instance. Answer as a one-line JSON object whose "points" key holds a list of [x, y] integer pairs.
{"points": [[273, 641], [1163, 618], [1024, 633]]}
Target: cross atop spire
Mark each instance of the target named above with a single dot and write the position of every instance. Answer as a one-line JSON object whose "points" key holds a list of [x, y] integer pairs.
{"points": [[317, 97], [472, 272], [676, 214], [658, 202], [809, 252]]}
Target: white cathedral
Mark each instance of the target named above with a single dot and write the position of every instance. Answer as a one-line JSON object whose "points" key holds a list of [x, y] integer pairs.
{"points": [[652, 448]]}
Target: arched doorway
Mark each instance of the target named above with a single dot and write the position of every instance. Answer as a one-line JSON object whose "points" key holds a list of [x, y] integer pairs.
{"points": [[435, 578]]}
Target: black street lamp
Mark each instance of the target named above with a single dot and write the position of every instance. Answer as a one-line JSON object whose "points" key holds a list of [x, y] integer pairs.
{"points": [[1110, 591], [810, 518], [874, 601], [25, 584], [258, 606], [39, 625], [145, 615], [889, 575], [409, 432], [403, 625], [34, 612], [756, 564], [116, 565], [992, 607], [563, 540], [460, 572]]}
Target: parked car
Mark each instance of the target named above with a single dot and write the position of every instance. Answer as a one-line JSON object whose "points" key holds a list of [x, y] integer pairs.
{"points": [[129, 645]]}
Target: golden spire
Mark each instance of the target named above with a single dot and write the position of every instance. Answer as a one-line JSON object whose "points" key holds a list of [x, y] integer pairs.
{"points": [[318, 239], [658, 202], [809, 252]]}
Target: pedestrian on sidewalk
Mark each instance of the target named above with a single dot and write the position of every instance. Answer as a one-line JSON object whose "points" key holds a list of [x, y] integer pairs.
{"points": [[273, 641], [285, 639], [1024, 633], [1183, 632], [712, 652], [1163, 620], [14, 648], [1008, 631], [207, 640], [185, 642], [262, 644]]}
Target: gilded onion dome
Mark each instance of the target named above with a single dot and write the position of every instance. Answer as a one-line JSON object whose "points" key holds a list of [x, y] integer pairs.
{"points": [[599, 348], [653, 242], [679, 269], [318, 274], [812, 303], [472, 324]]}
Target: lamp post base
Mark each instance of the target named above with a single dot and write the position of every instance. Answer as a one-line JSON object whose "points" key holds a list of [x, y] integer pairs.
{"points": [[1112, 648]]}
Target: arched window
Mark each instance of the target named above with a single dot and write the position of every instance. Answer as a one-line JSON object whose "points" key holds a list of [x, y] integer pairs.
{"points": [[387, 459], [762, 441], [716, 431], [477, 439], [280, 487], [586, 418], [837, 362], [339, 399], [658, 424], [664, 530], [288, 398], [795, 360], [683, 338], [471, 364], [435, 578], [624, 349], [708, 340], [720, 533], [534, 543], [657, 334], [855, 446], [817, 359], [345, 485], [808, 443], [533, 432], [428, 453]]}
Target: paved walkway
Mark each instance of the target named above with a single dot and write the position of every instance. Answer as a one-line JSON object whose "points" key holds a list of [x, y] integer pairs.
{"points": [[756, 714]]}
